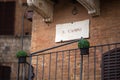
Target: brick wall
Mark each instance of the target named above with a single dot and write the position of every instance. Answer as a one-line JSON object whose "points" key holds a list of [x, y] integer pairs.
{"points": [[18, 20], [103, 29]]}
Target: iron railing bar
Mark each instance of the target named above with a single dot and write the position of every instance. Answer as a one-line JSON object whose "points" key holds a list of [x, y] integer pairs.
{"points": [[38, 52], [49, 67], [25, 70], [62, 65], [81, 67], [54, 52], [109, 63], [43, 54], [22, 71], [54, 47], [56, 66], [69, 65], [115, 61], [36, 67], [94, 63], [43, 67], [88, 68], [23, 65], [18, 71], [101, 64], [76, 49], [30, 68], [75, 66], [104, 45], [21, 68]]}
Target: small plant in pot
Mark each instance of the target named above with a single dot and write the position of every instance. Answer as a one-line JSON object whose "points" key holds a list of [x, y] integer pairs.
{"points": [[22, 56], [84, 45]]}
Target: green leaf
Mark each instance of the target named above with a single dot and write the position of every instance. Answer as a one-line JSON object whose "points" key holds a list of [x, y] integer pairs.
{"points": [[21, 53], [83, 43]]}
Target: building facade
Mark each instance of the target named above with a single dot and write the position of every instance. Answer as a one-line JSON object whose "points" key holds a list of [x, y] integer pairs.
{"points": [[11, 23], [104, 29]]}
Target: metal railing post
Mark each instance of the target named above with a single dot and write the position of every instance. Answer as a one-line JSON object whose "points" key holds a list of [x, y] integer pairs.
{"points": [[81, 67], [30, 69]]}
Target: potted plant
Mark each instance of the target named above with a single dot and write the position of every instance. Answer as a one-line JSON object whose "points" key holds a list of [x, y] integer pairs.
{"points": [[22, 56], [84, 45]]}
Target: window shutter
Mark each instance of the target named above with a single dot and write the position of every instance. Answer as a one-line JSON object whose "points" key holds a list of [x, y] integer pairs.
{"points": [[7, 18], [111, 65]]}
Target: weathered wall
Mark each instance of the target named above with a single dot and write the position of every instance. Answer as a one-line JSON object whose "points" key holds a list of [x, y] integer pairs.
{"points": [[103, 29], [9, 45]]}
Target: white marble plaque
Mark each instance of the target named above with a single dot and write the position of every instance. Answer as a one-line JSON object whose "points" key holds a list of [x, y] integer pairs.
{"points": [[72, 31]]}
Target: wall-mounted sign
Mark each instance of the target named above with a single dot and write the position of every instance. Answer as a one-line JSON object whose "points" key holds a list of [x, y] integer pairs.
{"points": [[72, 31]]}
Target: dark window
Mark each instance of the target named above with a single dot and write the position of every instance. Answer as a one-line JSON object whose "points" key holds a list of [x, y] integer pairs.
{"points": [[5, 73], [7, 18], [111, 65]]}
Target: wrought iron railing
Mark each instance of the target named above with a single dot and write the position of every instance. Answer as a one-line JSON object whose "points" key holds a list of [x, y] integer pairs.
{"points": [[68, 64]]}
